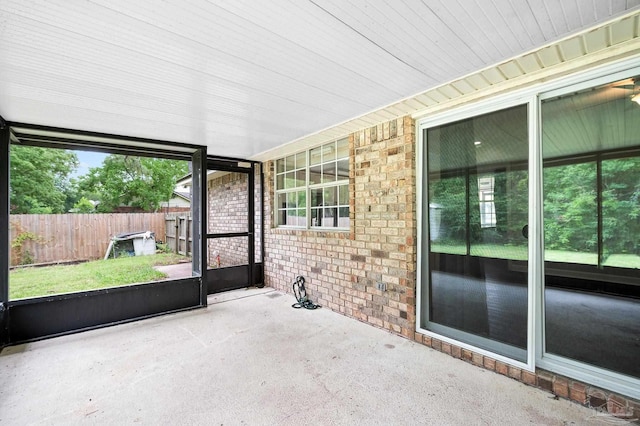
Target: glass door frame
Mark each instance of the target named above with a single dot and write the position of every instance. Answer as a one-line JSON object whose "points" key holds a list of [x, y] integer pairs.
{"points": [[422, 302], [555, 363], [533, 96]]}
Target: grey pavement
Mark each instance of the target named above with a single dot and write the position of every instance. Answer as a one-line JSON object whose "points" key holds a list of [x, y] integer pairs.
{"points": [[179, 270], [249, 358]]}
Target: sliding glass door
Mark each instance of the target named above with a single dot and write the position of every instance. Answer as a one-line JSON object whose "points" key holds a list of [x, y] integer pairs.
{"points": [[477, 179], [591, 188], [564, 293]]}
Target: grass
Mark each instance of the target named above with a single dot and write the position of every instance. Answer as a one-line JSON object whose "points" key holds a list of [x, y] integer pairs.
{"points": [[484, 250], [623, 261], [44, 281], [502, 252], [520, 253]]}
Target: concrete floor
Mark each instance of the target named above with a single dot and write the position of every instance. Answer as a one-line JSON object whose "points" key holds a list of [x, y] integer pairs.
{"points": [[250, 359]]}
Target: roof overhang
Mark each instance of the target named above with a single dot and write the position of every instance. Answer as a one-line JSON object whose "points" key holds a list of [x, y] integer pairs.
{"points": [[253, 80], [617, 39]]}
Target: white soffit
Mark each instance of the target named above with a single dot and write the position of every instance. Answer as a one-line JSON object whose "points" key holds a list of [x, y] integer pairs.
{"points": [[618, 39], [248, 78]]}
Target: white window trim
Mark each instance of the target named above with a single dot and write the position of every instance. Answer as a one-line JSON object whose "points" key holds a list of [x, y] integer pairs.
{"points": [[572, 368], [422, 183], [307, 188], [536, 355]]}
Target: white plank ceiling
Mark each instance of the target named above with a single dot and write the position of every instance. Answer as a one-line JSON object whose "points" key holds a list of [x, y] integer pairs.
{"points": [[247, 77]]}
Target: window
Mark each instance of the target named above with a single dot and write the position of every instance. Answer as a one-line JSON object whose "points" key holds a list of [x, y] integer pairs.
{"points": [[312, 187], [487, 206]]}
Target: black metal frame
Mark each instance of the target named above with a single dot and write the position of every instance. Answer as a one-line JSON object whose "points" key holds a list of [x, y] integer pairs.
{"points": [[5, 137], [113, 147], [38, 318], [199, 220], [230, 278]]}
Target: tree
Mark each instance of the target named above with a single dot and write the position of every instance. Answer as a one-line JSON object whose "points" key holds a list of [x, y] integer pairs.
{"points": [[133, 181], [621, 206], [449, 195], [39, 178], [83, 205], [571, 206]]}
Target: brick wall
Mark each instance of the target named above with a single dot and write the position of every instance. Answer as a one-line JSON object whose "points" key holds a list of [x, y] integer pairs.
{"points": [[343, 269]]}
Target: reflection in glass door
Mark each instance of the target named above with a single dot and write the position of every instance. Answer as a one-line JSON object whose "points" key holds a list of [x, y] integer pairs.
{"points": [[477, 176], [591, 153]]}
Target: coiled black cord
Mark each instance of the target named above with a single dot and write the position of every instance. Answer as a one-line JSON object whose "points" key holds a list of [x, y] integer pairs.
{"points": [[301, 295]]}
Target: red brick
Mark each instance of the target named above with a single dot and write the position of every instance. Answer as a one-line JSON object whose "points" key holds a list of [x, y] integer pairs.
{"points": [[529, 378], [578, 392], [561, 387], [456, 351], [502, 368], [489, 363], [467, 355], [477, 359], [436, 344], [515, 372], [446, 348]]}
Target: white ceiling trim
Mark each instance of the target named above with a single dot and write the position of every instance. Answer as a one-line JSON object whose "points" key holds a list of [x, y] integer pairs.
{"points": [[245, 77], [615, 39]]}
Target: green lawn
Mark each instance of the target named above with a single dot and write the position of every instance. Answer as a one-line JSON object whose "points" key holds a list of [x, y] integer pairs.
{"points": [[520, 253], [47, 280], [484, 250], [623, 261], [499, 251], [571, 257]]}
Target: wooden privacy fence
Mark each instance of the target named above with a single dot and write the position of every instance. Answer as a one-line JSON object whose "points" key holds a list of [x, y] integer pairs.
{"points": [[178, 233], [45, 238]]}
